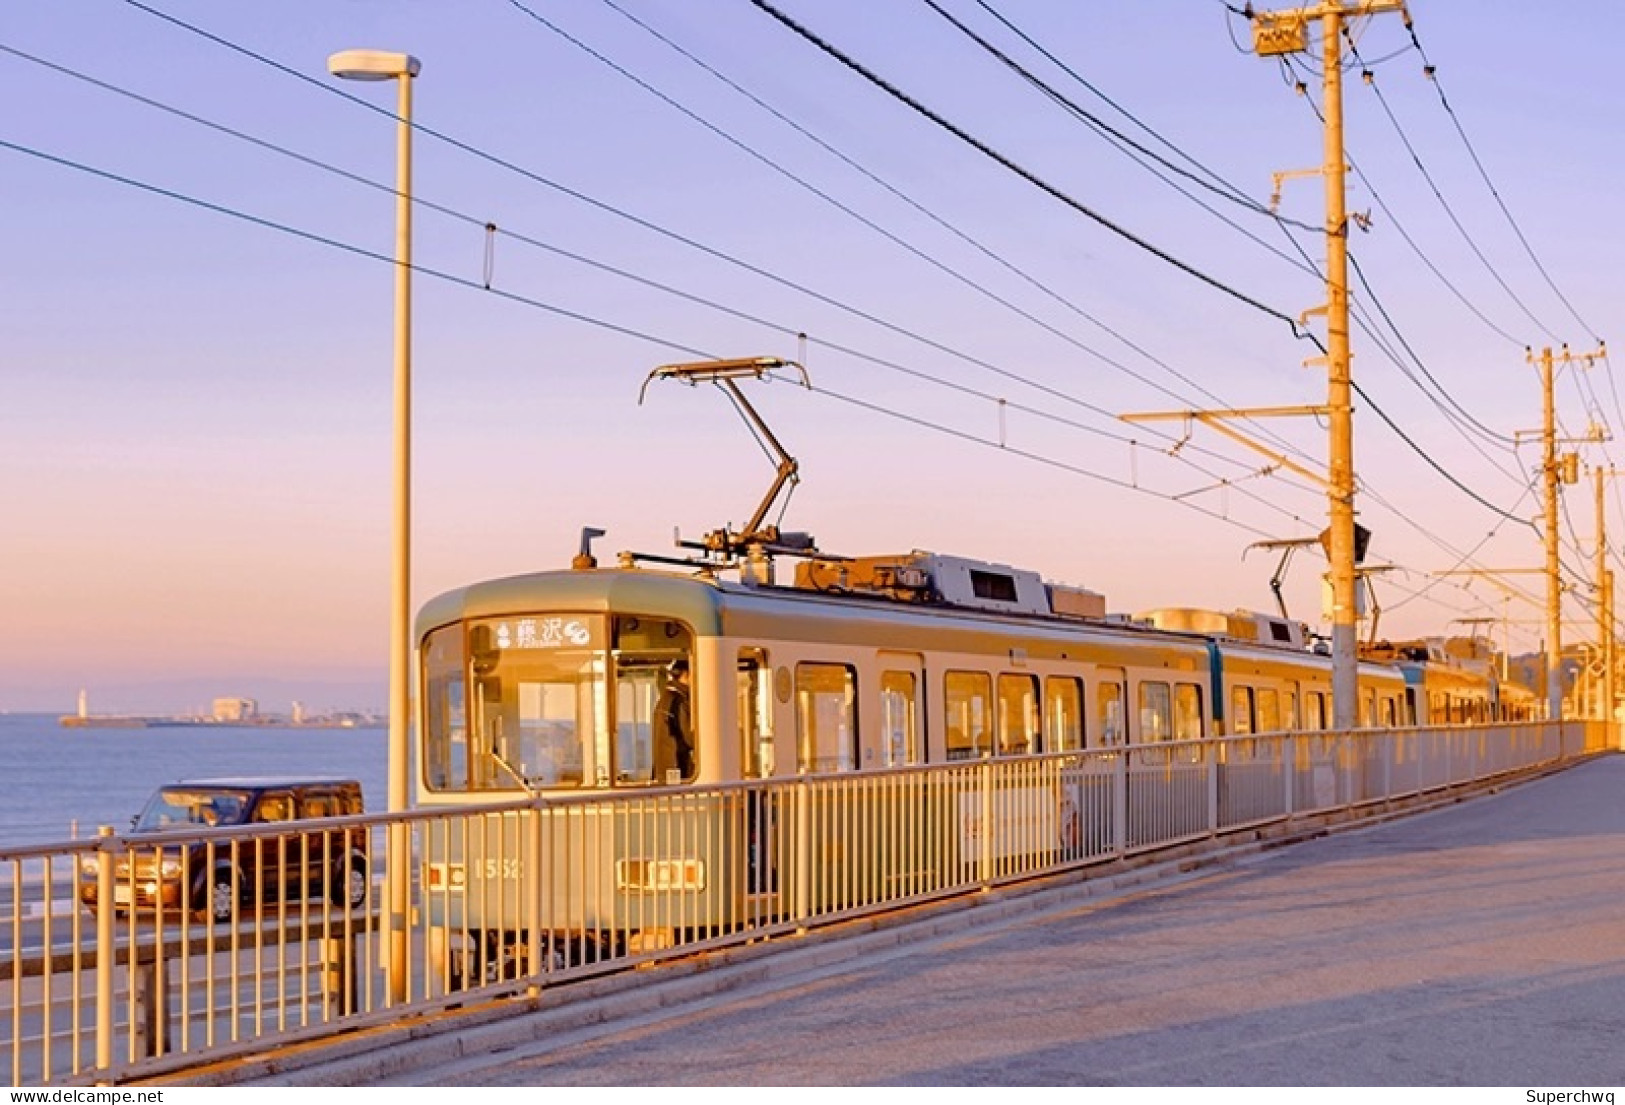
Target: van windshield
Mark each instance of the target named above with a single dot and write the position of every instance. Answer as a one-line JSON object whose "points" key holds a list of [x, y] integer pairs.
{"points": [[179, 807]]}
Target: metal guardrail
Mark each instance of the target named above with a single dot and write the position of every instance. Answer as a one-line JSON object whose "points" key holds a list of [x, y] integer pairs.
{"points": [[231, 941]]}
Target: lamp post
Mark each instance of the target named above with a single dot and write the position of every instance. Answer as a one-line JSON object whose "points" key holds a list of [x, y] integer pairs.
{"points": [[377, 65]]}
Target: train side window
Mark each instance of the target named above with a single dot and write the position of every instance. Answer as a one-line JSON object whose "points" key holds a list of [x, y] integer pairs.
{"points": [[827, 717], [1368, 708], [754, 685], [968, 700], [1314, 710], [445, 747], [1063, 713], [1269, 710], [1241, 711], [1109, 704], [1388, 718], [1289, 719], [1018, 715], [1156, 712], [1188, 720], [900, 718]]}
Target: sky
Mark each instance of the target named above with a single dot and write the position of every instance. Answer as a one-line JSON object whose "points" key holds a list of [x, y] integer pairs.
{"points": [[993, 251]]}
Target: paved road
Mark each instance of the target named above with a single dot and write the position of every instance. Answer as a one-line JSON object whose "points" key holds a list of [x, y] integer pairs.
{"points": [[1483, 944]]}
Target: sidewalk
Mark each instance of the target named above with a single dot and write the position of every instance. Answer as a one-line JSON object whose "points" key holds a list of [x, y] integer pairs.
{"points": [[1483, 944]]}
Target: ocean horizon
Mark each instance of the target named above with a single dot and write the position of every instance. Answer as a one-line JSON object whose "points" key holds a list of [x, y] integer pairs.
{"points": [[58, 782]]}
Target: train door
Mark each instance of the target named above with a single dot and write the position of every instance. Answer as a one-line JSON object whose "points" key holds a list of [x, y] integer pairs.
{"points": [[754, 688]]}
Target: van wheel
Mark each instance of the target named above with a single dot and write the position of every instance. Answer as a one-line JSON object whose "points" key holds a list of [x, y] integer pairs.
{"points": [[219, 897], [352, 883]]}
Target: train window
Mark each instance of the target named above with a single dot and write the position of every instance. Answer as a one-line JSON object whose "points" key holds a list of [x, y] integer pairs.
{"points": [[827, 717], [1241, 711], [1018, 715], [445, 721], [534, 707], [1109, 704], [1156, 712], [1188, 712], [654, 715], [1388, 718], [899, 718], [1314, 710], [755, 707], [1269, 710], [1063, 713], [1368, 708], [968, 700]]}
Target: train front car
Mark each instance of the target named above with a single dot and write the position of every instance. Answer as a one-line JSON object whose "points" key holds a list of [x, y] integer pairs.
{"points": [[573, 687]]}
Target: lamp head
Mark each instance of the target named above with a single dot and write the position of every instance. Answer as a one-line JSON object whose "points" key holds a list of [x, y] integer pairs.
{"points": [[372, 65]]}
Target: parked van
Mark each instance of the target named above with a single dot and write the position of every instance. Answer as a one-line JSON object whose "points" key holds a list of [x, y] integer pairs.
{"points": [[218, 872]]}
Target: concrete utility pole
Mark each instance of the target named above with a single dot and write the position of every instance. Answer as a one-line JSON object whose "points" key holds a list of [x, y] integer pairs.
{"points": [[1554, 576], [1605, 603], [1276, 33], [1555, 468]]}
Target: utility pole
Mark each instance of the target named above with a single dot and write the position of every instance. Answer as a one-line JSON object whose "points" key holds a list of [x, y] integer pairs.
{"points": [[1605, 603], [1284, 32], [1554, 577], [1554, 469]]}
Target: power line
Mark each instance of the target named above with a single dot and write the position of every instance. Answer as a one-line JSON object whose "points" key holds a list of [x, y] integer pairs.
{"points": [[667, 343], [620, 213], [1438, 194], [1432, 73], [1025, 174]]}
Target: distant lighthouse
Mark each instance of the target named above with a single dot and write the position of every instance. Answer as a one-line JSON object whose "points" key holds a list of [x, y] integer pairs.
{"points": [[84, 703]]}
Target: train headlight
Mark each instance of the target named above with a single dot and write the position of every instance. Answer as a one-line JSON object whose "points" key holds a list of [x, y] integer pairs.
{"points": [[653, 875]]}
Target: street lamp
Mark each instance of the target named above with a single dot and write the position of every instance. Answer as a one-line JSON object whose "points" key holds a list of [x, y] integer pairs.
{"points": [[378, 65]]}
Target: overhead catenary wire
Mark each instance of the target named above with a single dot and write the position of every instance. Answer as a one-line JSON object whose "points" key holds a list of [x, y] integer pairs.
{"points": [[611, 209], [381, 112], [1438, 194], [626, 331], [1027, 174], [952, 228]]}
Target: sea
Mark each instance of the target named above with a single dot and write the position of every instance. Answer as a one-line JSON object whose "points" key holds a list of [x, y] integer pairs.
{"points": [[57, 783]]}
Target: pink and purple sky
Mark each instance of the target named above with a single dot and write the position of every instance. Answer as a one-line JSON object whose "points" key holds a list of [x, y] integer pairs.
{"points": [[195, 407]]}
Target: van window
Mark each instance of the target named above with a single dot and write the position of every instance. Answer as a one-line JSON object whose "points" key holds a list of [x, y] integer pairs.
{"points": [[319, 804]]}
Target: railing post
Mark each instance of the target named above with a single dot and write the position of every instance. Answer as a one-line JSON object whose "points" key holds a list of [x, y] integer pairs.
{"points": [[1210, 753], [1120, 813], [985, 850], [105, 957], [802, 851], [339, 975], [1289, 773], [536, 879]]}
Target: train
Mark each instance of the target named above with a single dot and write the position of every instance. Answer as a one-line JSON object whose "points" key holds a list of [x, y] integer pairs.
{"points": [[590, 686]]}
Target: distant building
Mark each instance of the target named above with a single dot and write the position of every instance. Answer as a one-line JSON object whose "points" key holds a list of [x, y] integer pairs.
{"points": [[235, 709]]}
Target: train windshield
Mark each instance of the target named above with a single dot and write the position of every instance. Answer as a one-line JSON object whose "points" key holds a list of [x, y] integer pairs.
{"points": [[547, 702]]}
